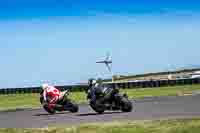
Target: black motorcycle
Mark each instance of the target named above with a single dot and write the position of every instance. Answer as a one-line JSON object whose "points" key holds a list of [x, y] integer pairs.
{"points": [[65, 101], [108, 98]]}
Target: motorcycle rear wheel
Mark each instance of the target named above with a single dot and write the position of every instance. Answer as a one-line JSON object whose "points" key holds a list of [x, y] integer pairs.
{"points": [[50, 111]]}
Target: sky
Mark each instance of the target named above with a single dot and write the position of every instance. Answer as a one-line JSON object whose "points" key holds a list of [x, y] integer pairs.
{"points": [[59, 41]]}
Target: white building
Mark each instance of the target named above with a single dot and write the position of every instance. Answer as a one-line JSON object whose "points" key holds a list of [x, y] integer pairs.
{"points": [[195, 74]]}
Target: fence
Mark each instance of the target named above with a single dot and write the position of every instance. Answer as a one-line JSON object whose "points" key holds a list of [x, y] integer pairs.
{"points": [[124, 85], [73, 88]]}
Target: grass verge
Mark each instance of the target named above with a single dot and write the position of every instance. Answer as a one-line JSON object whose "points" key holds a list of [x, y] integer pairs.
{"points": [[14, 101], [159, 126]]}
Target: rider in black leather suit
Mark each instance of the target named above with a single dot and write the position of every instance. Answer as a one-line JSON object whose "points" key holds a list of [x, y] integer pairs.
{"points": [[95, 87]]}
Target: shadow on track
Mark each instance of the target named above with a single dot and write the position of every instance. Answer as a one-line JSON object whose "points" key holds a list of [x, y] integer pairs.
{"points": [[92, 114], [47, 114]]}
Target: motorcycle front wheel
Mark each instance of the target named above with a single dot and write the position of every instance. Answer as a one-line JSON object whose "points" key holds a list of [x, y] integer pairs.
{"points": [[126, 105], [74, 108], [69, 105], [97, 107]]}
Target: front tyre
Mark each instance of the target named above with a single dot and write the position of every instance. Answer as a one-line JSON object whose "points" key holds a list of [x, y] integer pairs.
{"points": [[97, 107], [126, 105], [74, 108]]}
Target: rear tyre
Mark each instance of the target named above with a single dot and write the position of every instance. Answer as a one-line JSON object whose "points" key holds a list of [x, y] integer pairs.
{"points": [[126, 105], [50, 111]]}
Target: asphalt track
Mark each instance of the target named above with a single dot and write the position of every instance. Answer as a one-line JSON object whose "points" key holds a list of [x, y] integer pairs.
{"points": [[144, 109]]}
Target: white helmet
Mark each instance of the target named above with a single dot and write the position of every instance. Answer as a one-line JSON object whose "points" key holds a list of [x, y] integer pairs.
{"points": [[45, 86], [94, 82]]}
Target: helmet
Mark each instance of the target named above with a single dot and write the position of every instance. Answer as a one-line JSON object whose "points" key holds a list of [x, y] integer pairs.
{"points": [[92, 82], [44, 86]]}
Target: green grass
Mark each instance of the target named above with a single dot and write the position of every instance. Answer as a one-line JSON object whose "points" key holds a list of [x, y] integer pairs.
{"points": [[159, 126], [162, 91], [13, 101]]}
